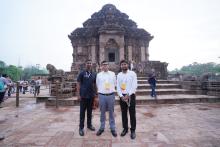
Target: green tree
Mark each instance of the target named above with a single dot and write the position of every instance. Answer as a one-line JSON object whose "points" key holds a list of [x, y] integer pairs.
{"points": [[13, 72], [2, 67], [198, 68]]}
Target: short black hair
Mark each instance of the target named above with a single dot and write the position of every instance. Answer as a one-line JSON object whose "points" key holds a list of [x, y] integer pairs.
{"points": [[104, 62], [123, 61]]}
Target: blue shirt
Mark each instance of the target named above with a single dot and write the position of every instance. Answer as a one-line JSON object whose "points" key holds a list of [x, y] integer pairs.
{"points": [[87, 81]]}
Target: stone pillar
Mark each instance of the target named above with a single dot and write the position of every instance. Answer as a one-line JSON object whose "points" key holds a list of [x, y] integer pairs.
{"points": [[147, 54], [129, 53], [142, 53], [93, 52], [101, 54], [121, 54]]}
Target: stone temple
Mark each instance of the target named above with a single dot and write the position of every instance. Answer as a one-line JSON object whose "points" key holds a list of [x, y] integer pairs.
{"points": [[110, 35]]}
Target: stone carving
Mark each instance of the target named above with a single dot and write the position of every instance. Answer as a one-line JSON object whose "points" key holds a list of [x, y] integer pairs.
{"points": [[53, 71], [112, 36]]}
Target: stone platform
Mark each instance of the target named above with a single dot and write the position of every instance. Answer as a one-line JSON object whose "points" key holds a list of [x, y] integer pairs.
{"points": [[142, 100], [158, 125]]}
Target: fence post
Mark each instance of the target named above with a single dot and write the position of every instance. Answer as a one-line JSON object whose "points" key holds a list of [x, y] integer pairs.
{"points": [[17, 94]]}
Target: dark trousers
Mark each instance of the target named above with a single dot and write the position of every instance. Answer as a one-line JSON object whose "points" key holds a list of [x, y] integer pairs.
{"points": [[37, 90], [2, 94], [132, 112], [85, 104], [153, 91]]}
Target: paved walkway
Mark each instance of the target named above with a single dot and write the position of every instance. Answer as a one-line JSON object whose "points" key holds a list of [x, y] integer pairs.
{"points": [[177, 125]]}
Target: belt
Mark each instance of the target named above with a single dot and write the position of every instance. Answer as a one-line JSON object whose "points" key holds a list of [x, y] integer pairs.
{"points": [[107, 94]]}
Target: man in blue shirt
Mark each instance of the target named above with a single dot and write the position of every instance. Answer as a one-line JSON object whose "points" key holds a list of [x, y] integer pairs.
{"points": [[3, 86], [86, 92]]}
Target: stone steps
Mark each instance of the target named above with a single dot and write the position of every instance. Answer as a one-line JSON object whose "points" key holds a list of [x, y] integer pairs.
{"points": [[162, 86], [161, 99], [158, 82], [165, 91]]}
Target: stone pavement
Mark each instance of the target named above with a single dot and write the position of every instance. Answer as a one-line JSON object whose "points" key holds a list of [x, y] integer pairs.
{"points": [[158, 125]]}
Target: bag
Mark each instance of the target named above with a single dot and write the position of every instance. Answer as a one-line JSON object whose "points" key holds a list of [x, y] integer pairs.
{"points": [[2, 86]]}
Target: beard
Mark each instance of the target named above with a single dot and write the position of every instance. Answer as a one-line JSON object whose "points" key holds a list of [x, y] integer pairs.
{"points": [[124, 69]]}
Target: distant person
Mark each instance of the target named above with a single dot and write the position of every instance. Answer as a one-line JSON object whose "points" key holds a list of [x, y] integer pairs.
{"points": [[86, 91], [32, 88], [25, 86], [3, 87], [20, 85], [106, 82], [152, 81], [37, 86], [126, 88], [10, 84], [132, 64]]}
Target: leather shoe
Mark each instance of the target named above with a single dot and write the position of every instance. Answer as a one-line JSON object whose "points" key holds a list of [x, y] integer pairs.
{"points": [[91, 128], [124, 132], [99, 132], [81, 132], [114, 133], [133, 135]]}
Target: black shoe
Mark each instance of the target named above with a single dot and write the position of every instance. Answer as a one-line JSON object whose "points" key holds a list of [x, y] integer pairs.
{"points": [[91, 128], [133, 135], [2, 137], [81, 132], [99, 132], [114, 133], [124, 132]]}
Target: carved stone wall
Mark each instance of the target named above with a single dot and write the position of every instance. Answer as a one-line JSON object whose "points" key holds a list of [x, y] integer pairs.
{"points": [[110, 35]]}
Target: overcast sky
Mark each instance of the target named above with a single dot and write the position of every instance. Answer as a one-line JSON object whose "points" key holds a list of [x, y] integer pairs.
{"points": [[36, 31]]}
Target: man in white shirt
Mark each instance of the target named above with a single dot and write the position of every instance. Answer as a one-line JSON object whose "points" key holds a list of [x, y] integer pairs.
{"points": [[106, 82], [126, 88]]}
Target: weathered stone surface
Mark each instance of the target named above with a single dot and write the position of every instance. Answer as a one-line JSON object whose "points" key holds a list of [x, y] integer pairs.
{"points": [[110, 35], [179, 125]]}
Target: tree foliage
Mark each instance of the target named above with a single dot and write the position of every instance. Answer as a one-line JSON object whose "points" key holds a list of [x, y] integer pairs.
{"points": [[18, 73], [199, 68]]}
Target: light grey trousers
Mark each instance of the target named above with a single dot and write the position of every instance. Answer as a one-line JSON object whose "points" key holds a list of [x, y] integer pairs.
{"points": [[107, 103]]}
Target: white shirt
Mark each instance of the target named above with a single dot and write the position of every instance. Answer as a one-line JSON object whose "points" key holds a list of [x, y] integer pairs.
{"points": [[126, 83], [106, 82]]}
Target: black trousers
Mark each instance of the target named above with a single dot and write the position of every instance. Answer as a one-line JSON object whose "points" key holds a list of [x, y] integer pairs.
{"points": [[132, 112], [85, 104], [2, 94]]}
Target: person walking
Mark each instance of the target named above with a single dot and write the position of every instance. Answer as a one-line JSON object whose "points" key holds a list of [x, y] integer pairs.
{"points": [[152, 81], [86, 91], [106, 82], [126, 88], [37, 86]]}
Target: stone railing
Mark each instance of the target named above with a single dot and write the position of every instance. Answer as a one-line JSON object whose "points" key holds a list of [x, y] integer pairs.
{"points": [[207, 83], [213, 88]]}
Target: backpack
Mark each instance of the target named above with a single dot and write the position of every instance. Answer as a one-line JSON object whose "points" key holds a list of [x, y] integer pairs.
{"points": [[2, 85]]}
